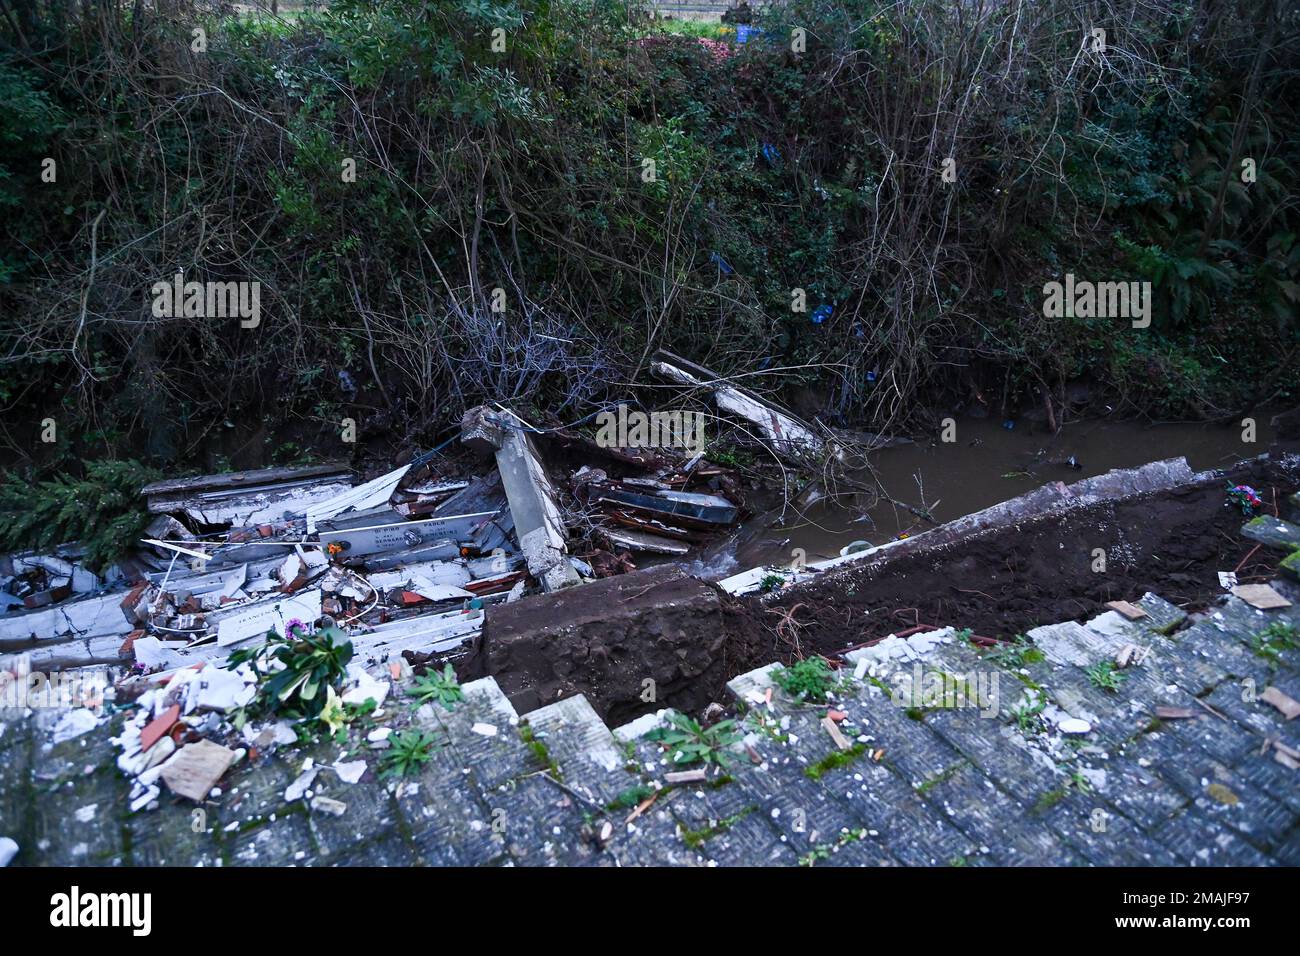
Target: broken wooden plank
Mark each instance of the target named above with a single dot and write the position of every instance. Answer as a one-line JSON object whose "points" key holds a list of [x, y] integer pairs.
{"points": [[836, 735], [1130, 611], [1287, 705], [1260, 596], [699, 775]]}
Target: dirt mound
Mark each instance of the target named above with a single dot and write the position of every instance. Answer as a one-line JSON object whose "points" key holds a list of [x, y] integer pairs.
{"points": [[632, 644]]}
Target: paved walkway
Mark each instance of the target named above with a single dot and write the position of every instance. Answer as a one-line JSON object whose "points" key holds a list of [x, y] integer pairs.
{"points": [[923, 781]]}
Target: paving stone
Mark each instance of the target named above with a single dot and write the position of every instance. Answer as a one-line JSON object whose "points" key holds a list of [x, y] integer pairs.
{"points": [[69, 759], [727, 826], [388, 849], [1162, 617], [652, 839], [17, 799], [579, 743], [1220, 793], [76, 822], [807, 815], [495, 758], [1288, 854], [1200, 841], [371, 814], [283, 841], [1273, 532], [1137, 792], [544, 826], [178, 834], [449, 823], [914, 831], [1103, 836], [998, 824], [997, 749]]}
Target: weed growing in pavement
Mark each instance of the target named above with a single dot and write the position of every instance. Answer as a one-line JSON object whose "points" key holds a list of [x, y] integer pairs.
{"points": [[688, 742], [1269, 643], [408, 752], [1106, 675], [438, 688], [810, 679]]}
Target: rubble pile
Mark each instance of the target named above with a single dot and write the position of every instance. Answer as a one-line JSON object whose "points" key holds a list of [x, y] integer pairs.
{"points": [[193, 632], [404, 563]]}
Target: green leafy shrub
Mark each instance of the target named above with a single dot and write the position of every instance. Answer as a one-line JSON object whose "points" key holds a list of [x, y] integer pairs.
{"points": [[408, 752], [1106, 675], [314, 663], [1273, 640]]}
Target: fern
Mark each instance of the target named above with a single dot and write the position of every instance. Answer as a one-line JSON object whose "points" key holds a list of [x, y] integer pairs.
{"points": [[103, 511]]}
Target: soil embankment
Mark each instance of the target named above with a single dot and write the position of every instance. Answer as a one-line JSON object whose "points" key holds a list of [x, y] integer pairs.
{"points": [[607, 639], [1045, 569]]}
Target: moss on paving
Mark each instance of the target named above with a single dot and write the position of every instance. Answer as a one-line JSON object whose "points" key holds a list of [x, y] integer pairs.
{"points": [[833, 761]]}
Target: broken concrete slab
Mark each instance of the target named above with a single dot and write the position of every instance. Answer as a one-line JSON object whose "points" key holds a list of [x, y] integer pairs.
{"points": [[371, 494], [640, 541], [1050, 499], [674, 505], [254, 619], [539, 524], [1273, 532], [788, 435], [441, 532], [85, 618], [248, 497], [425, 633]]}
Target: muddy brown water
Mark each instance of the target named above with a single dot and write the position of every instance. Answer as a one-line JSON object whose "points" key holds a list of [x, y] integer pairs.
{"points": [[986, 464]]}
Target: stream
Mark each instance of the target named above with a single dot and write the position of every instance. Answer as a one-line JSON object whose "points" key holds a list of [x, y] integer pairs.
{"points": [[986, 464]]}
